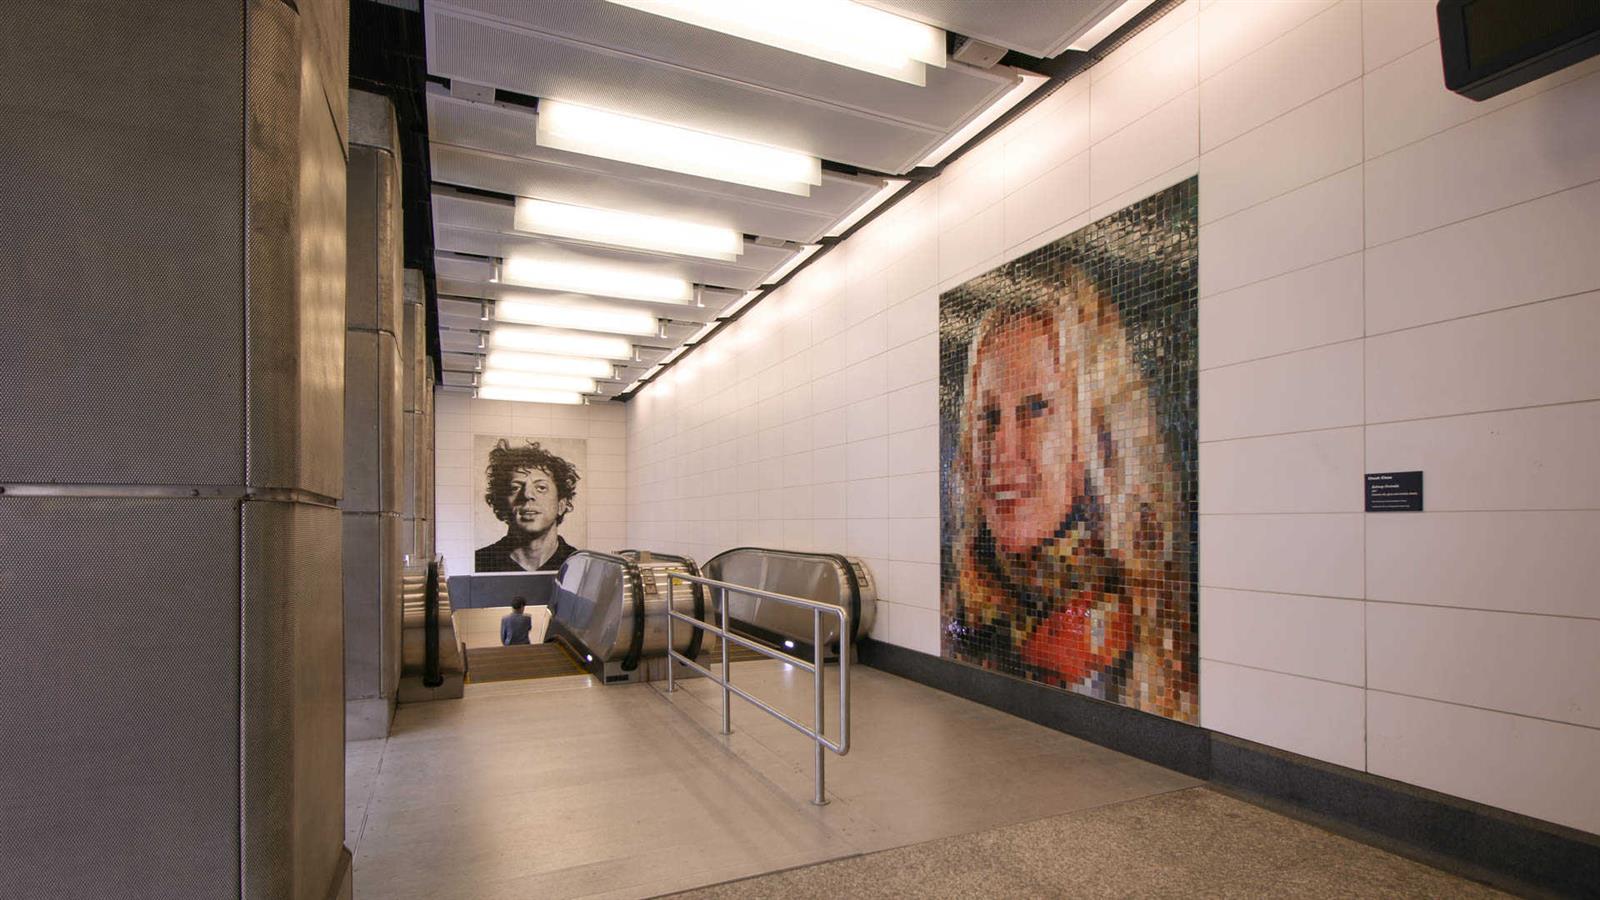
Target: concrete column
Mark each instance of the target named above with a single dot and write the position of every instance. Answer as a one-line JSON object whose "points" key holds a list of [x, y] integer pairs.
{"points": [[373, 426], [173, 219]]}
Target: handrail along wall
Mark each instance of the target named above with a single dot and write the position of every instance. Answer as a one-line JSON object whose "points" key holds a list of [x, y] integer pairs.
{"points": [[815, 666]]}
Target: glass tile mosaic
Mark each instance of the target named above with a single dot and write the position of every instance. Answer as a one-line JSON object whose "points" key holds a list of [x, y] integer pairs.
{"points": [[1068, 461]]}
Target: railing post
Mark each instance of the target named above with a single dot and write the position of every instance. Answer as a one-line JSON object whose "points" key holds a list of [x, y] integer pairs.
{"points": [[820, 691], [727, 712], [671, 686]]}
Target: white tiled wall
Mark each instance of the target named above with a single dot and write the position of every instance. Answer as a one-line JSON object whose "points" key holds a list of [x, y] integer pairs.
{"points": [[1392, 277], [458, 417]]}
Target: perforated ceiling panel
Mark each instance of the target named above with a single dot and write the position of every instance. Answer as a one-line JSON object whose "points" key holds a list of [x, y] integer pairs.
{"points": [[948, 97], [509, 131], [486, 243], [712, 300], [548, 66], [1040, 28], [585, 187]]}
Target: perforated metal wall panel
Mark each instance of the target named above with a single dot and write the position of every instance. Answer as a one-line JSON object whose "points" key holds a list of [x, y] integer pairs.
{"points": [[119, 731], [157, 402], [295, 396], [293, 672], [361, 238], [548, 66], [372, 423], [371, 602]]}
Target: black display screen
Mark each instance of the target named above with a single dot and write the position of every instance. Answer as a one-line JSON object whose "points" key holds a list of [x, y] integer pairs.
{"points": [[1492, 46], [1497, 29]]}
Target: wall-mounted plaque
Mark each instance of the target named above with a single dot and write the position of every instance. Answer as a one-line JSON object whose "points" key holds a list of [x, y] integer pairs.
{"points": [[1394, 492]]}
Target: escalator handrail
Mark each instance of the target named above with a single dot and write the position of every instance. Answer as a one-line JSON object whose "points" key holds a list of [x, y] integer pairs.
{"points": [[431, 675], [849, 574]]}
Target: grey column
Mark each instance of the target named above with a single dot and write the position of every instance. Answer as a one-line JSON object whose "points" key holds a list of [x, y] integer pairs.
{"points": [[373, 431], [172, 229]]}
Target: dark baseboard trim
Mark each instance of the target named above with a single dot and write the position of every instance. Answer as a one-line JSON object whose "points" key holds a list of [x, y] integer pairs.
{"points": [[1510, 851]]}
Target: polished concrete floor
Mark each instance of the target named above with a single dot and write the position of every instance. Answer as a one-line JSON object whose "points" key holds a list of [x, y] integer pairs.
{"points": [[563, 788]]}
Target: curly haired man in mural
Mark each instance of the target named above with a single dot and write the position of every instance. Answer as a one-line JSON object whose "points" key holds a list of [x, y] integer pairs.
{"points": [[1071, 556], [531, 490]]}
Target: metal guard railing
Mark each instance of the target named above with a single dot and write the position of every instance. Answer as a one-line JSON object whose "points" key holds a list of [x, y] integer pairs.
{"points": [[815, 666]]}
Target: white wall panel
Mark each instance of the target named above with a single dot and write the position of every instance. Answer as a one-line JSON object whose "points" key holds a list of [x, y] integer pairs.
{"points": [[1307, 144], [1310, 307], [1488, 660], [1308, 472], [1540, 458], [1543, 353], [1539, 146], [1392, 28], [1303, 64], [1537, 768], [1318, 637], [1556, 560], [1532, 251], [1309, 225], [1303, 391], [1304, 554], [1233, 29], [1314, 718]]}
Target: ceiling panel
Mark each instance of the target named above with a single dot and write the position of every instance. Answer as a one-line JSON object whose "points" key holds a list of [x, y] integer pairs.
{"points": [[543, 65], [491, 214], [949, 96], [1041, 28], [712, 301], [488, 243], [509, 131], [565, 184], [449, 266]]}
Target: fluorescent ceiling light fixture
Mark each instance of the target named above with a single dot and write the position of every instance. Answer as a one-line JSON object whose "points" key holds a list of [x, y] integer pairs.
{"points": [[889, 189], [698, 335], [596, 278], [1029, 83], [561, 343], [836, 31], [528, 395], [673, 355], [625, 229], [739, 304], [1113, 20], [654, 371], [549, 365], [794, 263], [534, 380], [581, 316], [597, 132]]}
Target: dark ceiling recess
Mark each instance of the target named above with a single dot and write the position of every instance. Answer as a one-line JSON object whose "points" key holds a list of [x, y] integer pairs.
{"points": [[387, 56]]}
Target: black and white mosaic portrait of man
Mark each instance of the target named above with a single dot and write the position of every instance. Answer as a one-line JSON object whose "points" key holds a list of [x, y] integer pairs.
{"points": [[531, 490]]}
